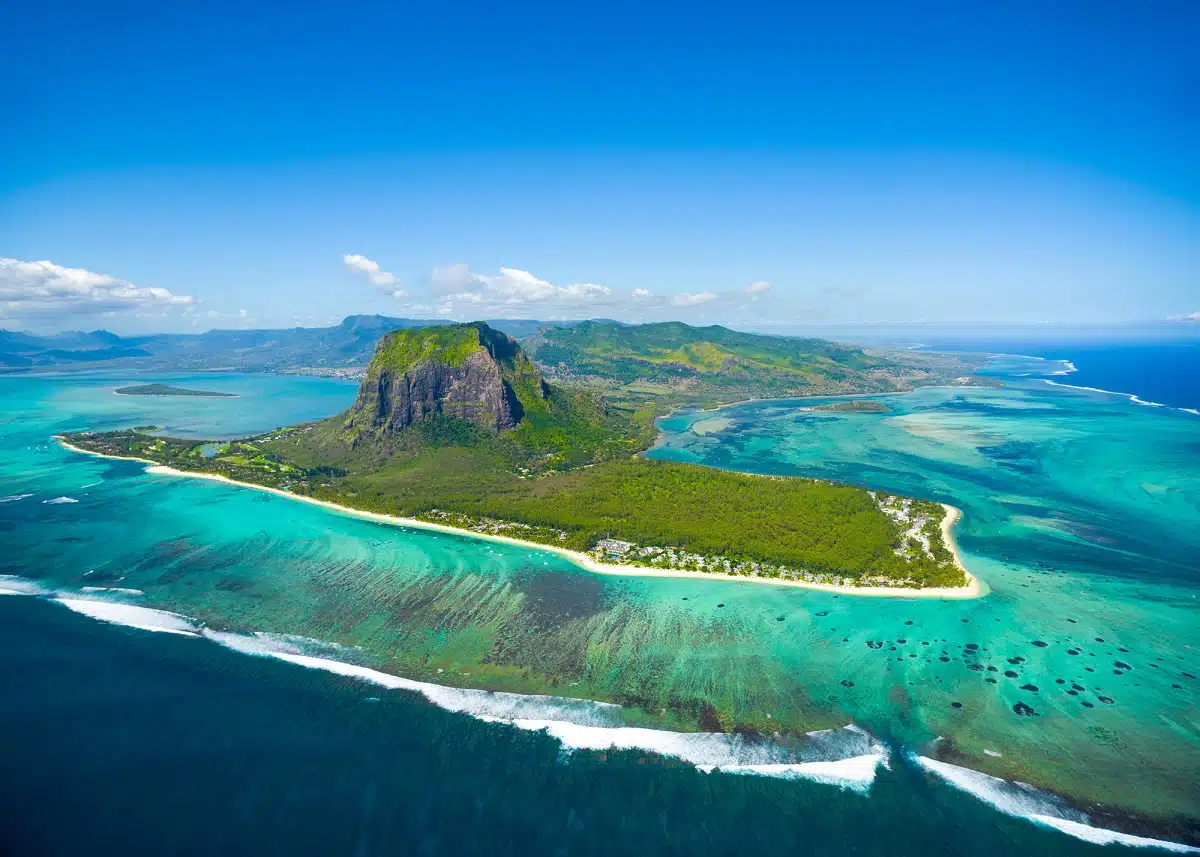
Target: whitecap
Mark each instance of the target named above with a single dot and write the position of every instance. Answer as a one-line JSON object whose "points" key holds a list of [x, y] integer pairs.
{"points": [[117, 589], [12, 498], [1132, 397], [845, 757], [856, 773], [1100, 836], [57, 501], [145, 618], [1025, 801], [10, 584], [480, 703]]}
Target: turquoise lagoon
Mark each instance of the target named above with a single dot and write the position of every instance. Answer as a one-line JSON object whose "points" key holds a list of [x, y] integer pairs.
{"points": [[1074, 673]]}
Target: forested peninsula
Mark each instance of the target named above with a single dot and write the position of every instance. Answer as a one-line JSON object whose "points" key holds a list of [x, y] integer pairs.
{"points": [[455, 425]]}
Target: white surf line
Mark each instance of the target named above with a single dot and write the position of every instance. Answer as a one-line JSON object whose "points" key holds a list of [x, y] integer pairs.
{"points": [[1025, 801], [856, 773], [10, 584], [1132, 397], [707, 751], [145, 618]]}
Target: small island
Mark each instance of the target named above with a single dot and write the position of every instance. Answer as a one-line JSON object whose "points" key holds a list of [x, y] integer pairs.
{"points": [[168, 390], [454, 428], [855, 406]]}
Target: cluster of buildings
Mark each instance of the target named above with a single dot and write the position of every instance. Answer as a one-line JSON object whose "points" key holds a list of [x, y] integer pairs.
{"points": [[627, 553]]}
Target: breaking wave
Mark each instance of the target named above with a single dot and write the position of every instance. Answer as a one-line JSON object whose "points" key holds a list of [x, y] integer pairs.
{"points": [[1024, 801], [145, 618], [1132, 397], [57, 501], [847, 758], [10, 584]]}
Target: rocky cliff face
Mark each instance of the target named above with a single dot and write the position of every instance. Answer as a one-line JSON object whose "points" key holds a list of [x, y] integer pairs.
{"points": [[470, 378]]}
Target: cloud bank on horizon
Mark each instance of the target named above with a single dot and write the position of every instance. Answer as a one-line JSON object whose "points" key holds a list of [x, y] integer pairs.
{"points": [[45, 292], [49, 296], [459, 292]]}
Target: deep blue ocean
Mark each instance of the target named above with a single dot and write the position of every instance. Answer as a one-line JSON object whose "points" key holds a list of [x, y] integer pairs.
{"points": [[122, 740], [128, 742], [1165, 373]]}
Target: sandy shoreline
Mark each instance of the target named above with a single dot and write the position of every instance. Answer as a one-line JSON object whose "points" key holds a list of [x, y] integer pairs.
{"points": [[973, 589]]}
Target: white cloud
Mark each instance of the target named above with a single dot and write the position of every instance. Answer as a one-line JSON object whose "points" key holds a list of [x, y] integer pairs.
{"points": [[383, 280], [48, 290], [693, 300], [641, 293], [511, 287], [1185, 316], [757, 287]]}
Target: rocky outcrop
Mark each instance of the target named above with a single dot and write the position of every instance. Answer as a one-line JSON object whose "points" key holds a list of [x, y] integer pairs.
{"points": [[475, 388]]}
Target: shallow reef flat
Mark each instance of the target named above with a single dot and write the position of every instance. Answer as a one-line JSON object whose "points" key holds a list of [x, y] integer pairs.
{"points": [[1084, 650]]}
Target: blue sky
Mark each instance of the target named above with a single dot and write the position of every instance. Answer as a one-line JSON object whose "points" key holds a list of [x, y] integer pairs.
{"points": [[221, 165]]}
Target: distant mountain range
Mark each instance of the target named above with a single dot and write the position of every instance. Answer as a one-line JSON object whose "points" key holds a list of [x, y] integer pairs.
{"points": [[348, 344], [656, 366]]}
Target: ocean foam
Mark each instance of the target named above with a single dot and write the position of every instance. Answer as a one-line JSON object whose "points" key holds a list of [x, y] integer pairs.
{"points": [[60, 500], [10, 584], [580, 724], [1070, 367], [1100, 836], [1024, 801], [131, 616], [479, 703], [12, 498], [1132, 397], [856, 773], [846, 757]]}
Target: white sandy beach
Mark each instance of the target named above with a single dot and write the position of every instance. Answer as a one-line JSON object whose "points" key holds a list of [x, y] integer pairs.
{"points": [[973, 589]]}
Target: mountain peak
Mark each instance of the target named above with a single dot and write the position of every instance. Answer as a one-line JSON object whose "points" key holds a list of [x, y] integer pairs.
{"points": [[468, 371]]}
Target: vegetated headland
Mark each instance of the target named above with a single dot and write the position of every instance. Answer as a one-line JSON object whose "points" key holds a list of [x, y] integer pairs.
{"points": [[455, 427]]}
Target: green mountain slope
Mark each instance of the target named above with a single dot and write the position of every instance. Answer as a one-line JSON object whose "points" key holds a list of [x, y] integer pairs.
{"points": [[671, 363]]}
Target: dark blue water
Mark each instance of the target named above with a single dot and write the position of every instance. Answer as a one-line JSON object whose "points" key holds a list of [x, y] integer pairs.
{"points": [[1166, 373], [120, 741]]}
